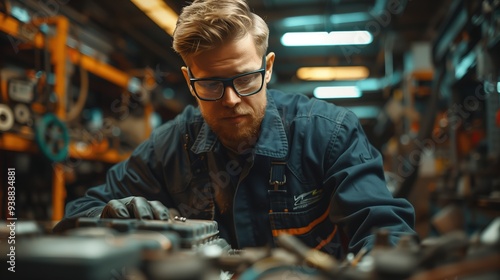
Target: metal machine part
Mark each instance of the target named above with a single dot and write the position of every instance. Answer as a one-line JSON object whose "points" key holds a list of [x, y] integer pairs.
{"points": [[22, 114], [192, 232], [52, 137], [172, 250], [6, 118], [21, 90], [56, 257]]}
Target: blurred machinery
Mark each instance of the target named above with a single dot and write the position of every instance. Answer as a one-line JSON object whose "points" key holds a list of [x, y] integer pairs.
{"points": [[68, 110], [191, 249], [468, 46], [68, 106], [440, 128]]}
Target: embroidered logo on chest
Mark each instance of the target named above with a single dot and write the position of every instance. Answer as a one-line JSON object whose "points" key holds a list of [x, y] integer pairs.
{"points": [[306, 199]]}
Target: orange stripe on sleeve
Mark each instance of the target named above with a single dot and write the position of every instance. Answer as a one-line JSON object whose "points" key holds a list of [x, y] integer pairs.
{"points": [[302, 230], [327, 240]]}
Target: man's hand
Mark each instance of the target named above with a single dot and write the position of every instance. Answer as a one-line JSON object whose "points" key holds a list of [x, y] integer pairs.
{"points": [[135, 207]]}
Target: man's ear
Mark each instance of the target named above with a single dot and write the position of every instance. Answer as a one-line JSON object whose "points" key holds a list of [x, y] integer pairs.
{"points": [[269, 66], [186, 77]]}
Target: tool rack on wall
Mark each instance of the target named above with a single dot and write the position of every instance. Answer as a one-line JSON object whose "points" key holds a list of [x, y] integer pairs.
{"points": [[50, 36]]}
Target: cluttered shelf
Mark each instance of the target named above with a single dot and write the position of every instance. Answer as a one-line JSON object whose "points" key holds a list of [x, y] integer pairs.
{"points": [[54, 96], [77, 150]]}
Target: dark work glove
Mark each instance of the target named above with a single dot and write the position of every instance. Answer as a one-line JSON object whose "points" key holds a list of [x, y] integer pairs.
{"points": [[135, 207]]}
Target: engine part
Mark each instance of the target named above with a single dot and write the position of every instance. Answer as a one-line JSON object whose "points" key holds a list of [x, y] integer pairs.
{"points": [[6, 118], [22, 114], [315, 258], [52, 137], [56, 257], [192, 232], [21, 90]]}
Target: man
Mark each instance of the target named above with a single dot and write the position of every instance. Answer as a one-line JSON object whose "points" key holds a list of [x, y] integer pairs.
{"points": [[258, 161]]}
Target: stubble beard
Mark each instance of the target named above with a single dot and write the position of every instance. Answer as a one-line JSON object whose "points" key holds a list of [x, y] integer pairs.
{"points": [[239, 136]]}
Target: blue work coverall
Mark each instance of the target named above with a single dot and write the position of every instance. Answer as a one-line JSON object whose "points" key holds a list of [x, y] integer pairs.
{"points": [[312, 173]]}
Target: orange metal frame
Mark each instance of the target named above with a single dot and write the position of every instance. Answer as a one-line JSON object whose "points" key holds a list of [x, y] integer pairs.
{"points": [[60, 53]]}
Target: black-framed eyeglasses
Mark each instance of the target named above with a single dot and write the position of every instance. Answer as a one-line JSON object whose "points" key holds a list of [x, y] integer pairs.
{"points": [[245, 84]]}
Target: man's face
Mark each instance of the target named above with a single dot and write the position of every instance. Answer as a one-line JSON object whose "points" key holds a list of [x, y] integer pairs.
{"points": [[235, 119]]}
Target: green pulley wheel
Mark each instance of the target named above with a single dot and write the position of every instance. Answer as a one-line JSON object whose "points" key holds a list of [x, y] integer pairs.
{"points": [[52, 137]]}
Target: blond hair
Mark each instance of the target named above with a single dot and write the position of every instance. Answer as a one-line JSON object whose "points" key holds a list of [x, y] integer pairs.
{"points": [[207, 24]]}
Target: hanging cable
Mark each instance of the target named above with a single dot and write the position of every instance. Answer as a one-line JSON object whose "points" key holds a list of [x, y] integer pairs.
{"points": [[77, 108]]}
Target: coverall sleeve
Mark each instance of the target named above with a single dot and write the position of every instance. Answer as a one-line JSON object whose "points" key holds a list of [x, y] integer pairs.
{"points": [[361, 202]]}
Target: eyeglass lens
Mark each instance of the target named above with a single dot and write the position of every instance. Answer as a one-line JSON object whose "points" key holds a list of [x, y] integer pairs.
{"points": [[244, 85]]}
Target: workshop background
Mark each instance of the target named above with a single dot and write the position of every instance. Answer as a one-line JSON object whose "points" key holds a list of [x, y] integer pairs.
{"points": [[84, 82]]}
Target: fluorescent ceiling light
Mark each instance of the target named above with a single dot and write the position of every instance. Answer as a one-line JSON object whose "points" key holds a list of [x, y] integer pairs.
{"points": [[298, 21], [333, 73], [365, 112], [159, 12], [302, 21], [337, 92], [350, 18], [333, 38], [147, 5], [165, 19]]}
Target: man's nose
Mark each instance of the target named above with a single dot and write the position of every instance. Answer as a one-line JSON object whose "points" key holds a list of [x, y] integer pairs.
{"points": [[230, 98]]}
